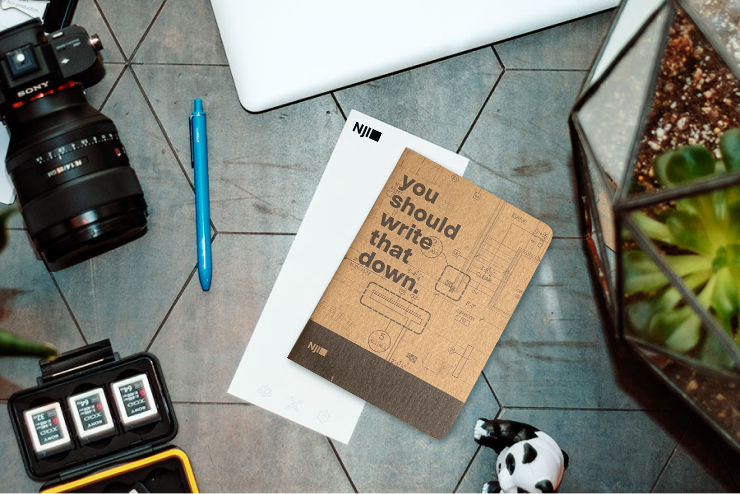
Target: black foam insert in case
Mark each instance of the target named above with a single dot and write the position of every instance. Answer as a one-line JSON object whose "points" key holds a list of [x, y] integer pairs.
{"points": [[80, 370]]}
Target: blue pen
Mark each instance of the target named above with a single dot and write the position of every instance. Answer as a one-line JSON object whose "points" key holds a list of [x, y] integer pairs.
{"points": [[199, 156]]}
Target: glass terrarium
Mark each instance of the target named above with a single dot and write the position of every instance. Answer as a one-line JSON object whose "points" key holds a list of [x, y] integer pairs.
{"points": [[656, 144]]}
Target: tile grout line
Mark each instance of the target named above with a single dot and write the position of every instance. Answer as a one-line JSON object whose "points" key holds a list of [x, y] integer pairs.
{"points": [[161, 127], [465, 472], [336, 101], [670, 456], [480, 112], [341, 463], [237, 403], [521, 69], [146, 31], [110, 29], [66, 304], [113, 87], [501, 62], [585, 409], [485, 378], [184, 64], [287, 234], [169, 311]]}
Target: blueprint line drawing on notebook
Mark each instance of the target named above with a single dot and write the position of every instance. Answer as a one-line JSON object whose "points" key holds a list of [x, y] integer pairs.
{"points": [[284, 51]]}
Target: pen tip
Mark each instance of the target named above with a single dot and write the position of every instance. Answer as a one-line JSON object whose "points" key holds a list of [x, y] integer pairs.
{"points": [[198, 105]]}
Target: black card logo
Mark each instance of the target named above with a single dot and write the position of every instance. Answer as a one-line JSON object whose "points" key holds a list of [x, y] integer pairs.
{"points": [[366, 131]]}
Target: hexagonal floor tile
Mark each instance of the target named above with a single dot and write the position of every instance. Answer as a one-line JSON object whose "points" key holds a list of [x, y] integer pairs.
{"points": [[263, 168], [129, 19], [700, 464], [31, 307], [125, 294], [520, 147], [437, 102], [171, 38], [387, 455], [572, 45], [243, 448], [221, 320], [555, 351]]}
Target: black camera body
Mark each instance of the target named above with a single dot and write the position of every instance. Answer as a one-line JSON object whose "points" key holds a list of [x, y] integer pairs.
{"points": [[33, 63], [78, 194]]}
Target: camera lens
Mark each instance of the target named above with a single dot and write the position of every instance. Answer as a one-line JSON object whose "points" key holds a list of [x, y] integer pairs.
{"points": [[78, 195]]}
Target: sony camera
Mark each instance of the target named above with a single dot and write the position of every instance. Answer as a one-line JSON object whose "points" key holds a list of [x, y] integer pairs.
{"points": [[77, 192]]}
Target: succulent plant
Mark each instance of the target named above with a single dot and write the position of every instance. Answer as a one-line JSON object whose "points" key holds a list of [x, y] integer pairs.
{"points": [[700, 237]]}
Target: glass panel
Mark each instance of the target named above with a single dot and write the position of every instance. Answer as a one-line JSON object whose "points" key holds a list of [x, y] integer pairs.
{"points": [[699, 237], [714, 395], [632, 15], [601, 230], [720, 20], [696, 100], [610, 117]]}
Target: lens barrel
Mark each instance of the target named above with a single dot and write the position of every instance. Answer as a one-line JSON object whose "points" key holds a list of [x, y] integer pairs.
{"points": [[78, 194]]}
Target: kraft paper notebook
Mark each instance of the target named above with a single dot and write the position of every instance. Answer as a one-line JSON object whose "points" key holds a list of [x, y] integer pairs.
{"points": [[423, 294]]}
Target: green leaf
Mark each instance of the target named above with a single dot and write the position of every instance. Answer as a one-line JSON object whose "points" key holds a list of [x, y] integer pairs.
{"points": [[641, 274], [711, 208], [678, 330], [729, 146], [712, 352], [733, 224], [688, 232], [725, 296], [684, 164], [641, 312], [653, 229], [12, 345]]}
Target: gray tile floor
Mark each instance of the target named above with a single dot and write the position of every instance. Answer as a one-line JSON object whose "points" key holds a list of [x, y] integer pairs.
{"points": [[503, 106]]}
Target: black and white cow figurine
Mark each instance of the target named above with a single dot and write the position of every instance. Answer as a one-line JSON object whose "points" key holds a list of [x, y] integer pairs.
{"points": [[528, 459]]}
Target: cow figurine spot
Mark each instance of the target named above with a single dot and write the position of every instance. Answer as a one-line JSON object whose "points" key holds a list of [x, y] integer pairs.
{"points": [[528, 459]]}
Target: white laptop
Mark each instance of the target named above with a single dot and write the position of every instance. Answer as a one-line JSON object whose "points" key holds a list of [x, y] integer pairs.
{"points": [[281, 51]]}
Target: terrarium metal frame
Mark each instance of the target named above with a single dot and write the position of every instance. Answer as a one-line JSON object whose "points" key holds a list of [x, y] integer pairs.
{"points": [[613, 296]]}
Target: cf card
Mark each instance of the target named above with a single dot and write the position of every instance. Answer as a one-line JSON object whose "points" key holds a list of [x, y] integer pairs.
{"points": [[48, 430], [134, 401], [91, 415]]}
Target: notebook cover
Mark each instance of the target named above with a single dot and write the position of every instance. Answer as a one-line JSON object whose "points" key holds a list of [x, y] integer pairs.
{"points": [[423, 295]]}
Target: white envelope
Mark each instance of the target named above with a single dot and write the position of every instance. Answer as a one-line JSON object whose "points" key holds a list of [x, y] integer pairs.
{"points": [[356, 173]]}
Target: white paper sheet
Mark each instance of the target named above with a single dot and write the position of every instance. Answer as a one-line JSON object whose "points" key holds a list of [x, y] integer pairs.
{"points": [[356, 173], [7, 192]]}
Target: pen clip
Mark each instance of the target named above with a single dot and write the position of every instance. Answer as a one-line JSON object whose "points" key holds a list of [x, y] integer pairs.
{"points": [[192, 147]]}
